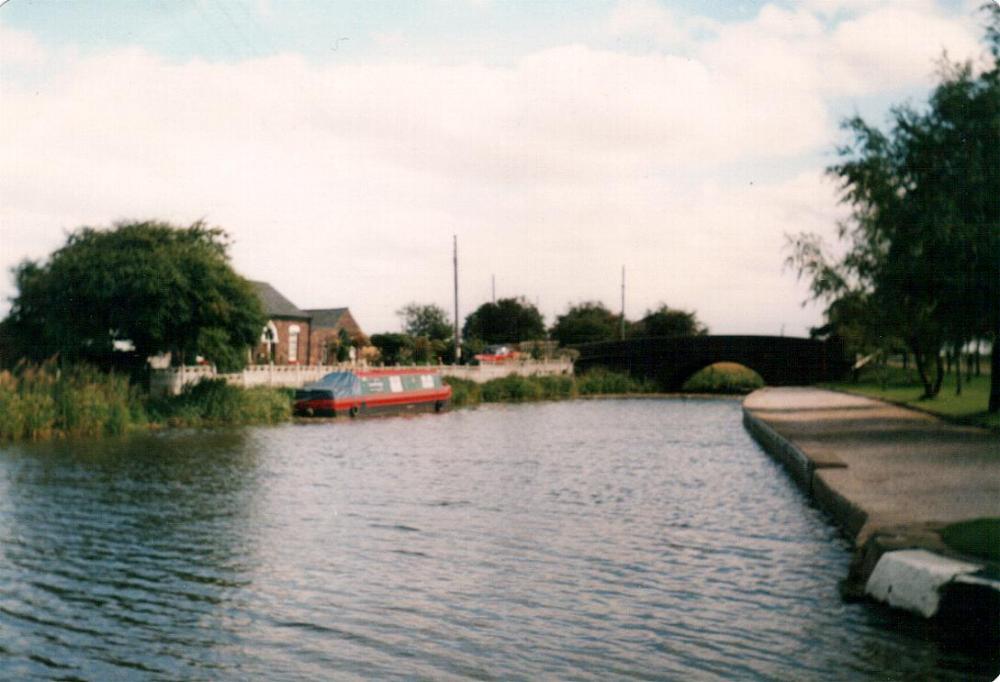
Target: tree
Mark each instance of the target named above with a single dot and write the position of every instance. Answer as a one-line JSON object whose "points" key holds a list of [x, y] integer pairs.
{"points": [[586, 322], [923, 240], [667, 321], [425, 320], [509, 320], [150, 285], [394, 348], [344, 343]]}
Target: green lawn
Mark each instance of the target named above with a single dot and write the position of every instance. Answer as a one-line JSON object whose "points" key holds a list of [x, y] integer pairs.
{"points": [[979, 537], [903, 386]]}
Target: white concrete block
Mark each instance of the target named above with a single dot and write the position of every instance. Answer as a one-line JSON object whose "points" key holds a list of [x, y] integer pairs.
{"points": [[911, 579]]}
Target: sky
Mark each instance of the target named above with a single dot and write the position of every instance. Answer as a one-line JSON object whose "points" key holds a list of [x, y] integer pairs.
{"points": [[343, 145]]}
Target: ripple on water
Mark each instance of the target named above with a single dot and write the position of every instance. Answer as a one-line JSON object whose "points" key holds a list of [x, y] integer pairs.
{"points": [[603, 539]]}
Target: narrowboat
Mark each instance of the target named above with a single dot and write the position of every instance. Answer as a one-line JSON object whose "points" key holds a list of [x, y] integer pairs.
{"points": [[374, 391]]}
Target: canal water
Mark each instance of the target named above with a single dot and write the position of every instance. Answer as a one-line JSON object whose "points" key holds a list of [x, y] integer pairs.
{"points": [[611, 539]]}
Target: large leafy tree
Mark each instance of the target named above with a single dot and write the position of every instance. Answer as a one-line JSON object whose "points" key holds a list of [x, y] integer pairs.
{"points": [[427, 320], [509, 320], [923, 240], [394, 348], [586, 322], [667, 321], [159, 287]]}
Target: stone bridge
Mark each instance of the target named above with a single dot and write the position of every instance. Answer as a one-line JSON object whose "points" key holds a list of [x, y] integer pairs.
{"points": [[780, 360]]}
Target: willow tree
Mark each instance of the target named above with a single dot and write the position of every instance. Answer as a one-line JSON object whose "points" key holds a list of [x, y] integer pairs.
{"points": [[146, 285], [923, 239]]}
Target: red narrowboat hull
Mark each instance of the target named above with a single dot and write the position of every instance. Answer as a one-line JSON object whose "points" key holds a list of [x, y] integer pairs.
{"points": [[387, 399]]}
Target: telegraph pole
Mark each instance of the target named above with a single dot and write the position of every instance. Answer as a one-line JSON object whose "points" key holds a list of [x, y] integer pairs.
{"points": [[623, 303], [494, 278], [458, 343]]}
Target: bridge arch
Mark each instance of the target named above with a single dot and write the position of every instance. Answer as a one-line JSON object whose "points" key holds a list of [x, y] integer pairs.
{"points": [[730, 373], [780, 360]]}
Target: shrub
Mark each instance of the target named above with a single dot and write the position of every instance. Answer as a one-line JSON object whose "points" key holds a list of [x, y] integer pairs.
{"points": [[513, 388], [724, 377], [598, 381], [215, 402], [556, 387], [464, 392]]}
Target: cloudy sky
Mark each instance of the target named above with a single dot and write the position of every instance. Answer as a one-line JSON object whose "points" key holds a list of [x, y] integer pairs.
{"points": [[343, 144]]}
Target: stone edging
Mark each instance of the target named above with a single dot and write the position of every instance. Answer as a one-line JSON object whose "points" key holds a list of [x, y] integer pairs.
{"points": [[906, 568]]}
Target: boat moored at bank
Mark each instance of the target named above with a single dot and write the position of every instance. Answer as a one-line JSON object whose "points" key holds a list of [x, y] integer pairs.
{"points": [[373, 391]]}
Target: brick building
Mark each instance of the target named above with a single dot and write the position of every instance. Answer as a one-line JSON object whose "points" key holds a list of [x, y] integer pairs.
{"points": [[294, 336], [326, 324]]}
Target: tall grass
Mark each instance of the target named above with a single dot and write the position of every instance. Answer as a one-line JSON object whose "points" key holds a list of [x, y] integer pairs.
{"points": [[40, 401], [45, 401], [213, 402], [464, 392], [600, 381], [518, 389]]}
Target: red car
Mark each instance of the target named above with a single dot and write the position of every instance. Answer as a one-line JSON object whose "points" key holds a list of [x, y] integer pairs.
{"points": [[497, 353]]}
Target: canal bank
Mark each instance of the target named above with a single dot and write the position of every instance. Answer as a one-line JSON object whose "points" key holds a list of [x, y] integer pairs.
{"points": [[891, 478]]}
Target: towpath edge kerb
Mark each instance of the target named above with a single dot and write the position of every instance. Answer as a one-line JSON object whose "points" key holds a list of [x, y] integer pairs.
{"points": [[891, 478]]}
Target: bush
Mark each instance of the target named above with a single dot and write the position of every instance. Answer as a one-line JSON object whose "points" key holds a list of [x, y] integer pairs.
{"points": [[599, 381], [511, 389], [464, 392], [517, 389], [215, 402], [557, 387], [724, 377]]}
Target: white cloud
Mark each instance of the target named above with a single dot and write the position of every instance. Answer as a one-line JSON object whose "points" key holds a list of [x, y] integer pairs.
{"points": [[18, 48], [343, 183], [897, 45], [648, 18]]}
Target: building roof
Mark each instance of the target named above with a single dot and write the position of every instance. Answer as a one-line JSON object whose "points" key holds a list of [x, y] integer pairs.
{"points": [[325, 317], [276, 305]]}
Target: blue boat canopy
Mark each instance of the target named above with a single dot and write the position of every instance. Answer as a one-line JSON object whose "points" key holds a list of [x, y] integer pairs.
{"points": [[341, 383]]}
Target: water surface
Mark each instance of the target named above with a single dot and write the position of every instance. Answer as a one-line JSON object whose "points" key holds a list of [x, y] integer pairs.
{"points": [[612, 539]]}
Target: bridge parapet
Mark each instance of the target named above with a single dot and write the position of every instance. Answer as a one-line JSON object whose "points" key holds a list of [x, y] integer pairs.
{"points": [[780, 360]]}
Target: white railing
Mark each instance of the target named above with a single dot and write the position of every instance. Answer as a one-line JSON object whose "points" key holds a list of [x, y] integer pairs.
{"points": [[171, 381], [485, 372]]}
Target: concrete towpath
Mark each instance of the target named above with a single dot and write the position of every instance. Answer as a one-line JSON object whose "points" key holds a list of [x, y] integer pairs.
{"points": [[891, 478], [876, 465]]}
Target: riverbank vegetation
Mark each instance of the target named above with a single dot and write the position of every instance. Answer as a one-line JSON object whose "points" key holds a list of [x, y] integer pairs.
{"points": [[978, 537], [47, 401], [724, 377], [903, 386], [721, 378], [44, 401], [213, 402]]}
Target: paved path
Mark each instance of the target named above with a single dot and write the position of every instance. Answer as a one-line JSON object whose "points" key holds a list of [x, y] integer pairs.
{"points": [[876, 466]]}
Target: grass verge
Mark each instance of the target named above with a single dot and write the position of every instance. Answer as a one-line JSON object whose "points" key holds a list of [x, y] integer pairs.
{"points": [[978, 538], [902, 386]]}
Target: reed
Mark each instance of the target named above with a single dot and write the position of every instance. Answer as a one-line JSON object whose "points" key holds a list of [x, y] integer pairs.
{"points": [[599, 381], [213, 402], [518, 389], [42, 401], [464, 392]]}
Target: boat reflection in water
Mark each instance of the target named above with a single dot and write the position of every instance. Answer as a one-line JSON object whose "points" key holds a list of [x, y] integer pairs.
{"points": [[374, 391]]}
